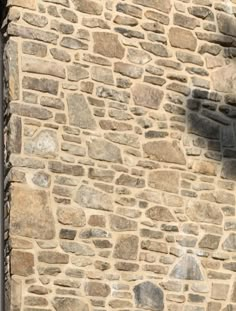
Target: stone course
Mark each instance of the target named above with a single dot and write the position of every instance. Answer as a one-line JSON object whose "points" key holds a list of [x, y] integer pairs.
{"points": [[121, 154]]}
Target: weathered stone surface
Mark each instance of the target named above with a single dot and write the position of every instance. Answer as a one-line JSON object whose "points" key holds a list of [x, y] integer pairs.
{"points": [[123, 139], [91, 198], [164, 151], [149, 296], [209, 241], [15, 135], [13, 69], [44, 144], [161, 5], [202, 126], [154, 246], [118, 223], [129, 9], [97, 289], [73, 43], [147, 96], [219, 291], [78, 249], [33, 217], [101, 74], [41, 85], [164, 180], [182, 38], [128, 70], [22, 263], [79, 112], [130, 181], [69, 304], [187, 269], [71, 216], [76, 73], [88, 6], [67, 169], [126, 247], [35, 19], [160, 213], [53, 257], [230, 243], [204, 212], [138, 57], [120, 96], [32, 33], [229, 169], [103, 150], [226, 24], [107, 44], [222, 79], [156, 49]]}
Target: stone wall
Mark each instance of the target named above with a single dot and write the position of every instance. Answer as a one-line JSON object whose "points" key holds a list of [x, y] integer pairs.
{"points": [[123, 154]]}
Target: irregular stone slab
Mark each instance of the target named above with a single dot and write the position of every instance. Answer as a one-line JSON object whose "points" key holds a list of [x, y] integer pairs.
{"points": [[22, 263], [71, 216], [43, 67], [149, 296], [79, 249], [156, 49], [67, 169], [69, 304], [79, 112], [229, 170], [15, 135], [30, 214], [130, 181], [97, 289], [230, 243], [129, 9], [41, 85], [13, 69], [202, 126], [160, 5], [147, 96], [128, 70], [187, 269], [160, 213], [209, 241], [52, 257], [164, 180], [223, 80], [159, 247], [107, 44], [44, 144], [138, 57], [103, 150], [226, 24], [88, 6], [182, 38], [164, 151], [118, 223], [32, 33], [74, 44], [102, 74], [91, 198], [201, 211], [76, 73], [120, 96], [123, 139], [126, 247]]}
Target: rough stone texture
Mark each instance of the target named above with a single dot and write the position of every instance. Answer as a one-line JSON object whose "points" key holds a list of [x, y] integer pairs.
{"points": [[147, 295], [33, 218], [120, 155]]}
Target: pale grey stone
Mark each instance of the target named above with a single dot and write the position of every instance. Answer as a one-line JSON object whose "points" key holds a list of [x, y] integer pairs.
{"points": [[147, 96], [79, 112], [69, 304], [164, 180], [138, 57], [201, 211], [103, 150], [102, 74], [187, 269], [91, 198], [44, 144], [230, 243]]}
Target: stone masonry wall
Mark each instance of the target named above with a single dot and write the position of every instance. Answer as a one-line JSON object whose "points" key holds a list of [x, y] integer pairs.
{"points": [[122, 143]]}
